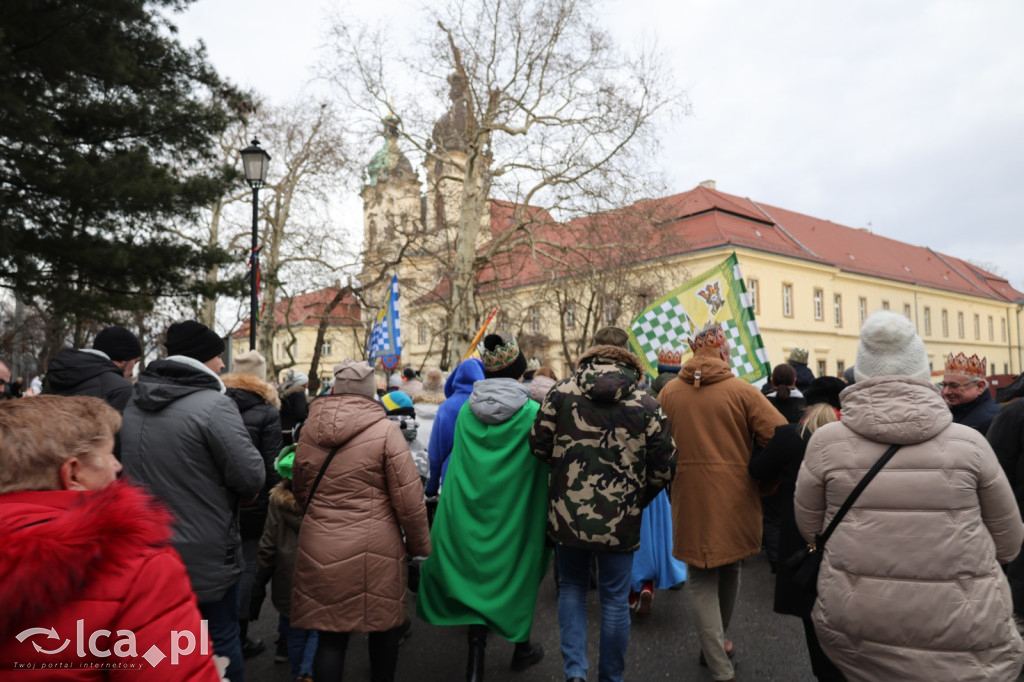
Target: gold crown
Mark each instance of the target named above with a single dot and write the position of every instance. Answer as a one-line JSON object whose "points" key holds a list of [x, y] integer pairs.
{"points": [[711, 338], [499, 358], [670, 357], [973, 366]]}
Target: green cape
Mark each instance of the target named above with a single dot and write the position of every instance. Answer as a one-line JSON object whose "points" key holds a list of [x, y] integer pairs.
{"points": [[489, 549]]}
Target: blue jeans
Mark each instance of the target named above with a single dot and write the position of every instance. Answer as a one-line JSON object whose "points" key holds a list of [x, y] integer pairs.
{"points": [[613, 575], [301, 647], [222, 619]]}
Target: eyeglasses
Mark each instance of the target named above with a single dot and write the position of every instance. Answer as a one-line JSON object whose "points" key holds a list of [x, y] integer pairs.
{"points": [[953, 386]]}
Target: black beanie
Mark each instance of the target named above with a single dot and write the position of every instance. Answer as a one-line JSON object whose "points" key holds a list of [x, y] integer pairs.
{"points": [[501, 358], [825, 390], [193, 340], [118, 343]]}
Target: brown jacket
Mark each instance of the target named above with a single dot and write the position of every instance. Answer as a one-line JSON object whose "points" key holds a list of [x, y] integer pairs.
{"points": [[910, 585], [716, 505], [349, 569]]}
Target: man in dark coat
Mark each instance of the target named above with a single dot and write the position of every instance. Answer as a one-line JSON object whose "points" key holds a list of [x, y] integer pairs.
{"points": [[100, 372], [798, 361], [185, 440], [966, 392], [1006, 436]]}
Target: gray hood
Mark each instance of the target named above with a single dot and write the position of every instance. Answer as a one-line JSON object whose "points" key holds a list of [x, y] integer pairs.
{"points": [[495, 401], [894, 409]]}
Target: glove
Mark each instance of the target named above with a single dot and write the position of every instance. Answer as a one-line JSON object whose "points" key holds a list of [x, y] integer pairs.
{"points": [[259, 594], [431, 503]]}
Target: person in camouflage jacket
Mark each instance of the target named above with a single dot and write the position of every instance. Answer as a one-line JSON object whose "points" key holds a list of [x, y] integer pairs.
{"points": [[610, 452]]}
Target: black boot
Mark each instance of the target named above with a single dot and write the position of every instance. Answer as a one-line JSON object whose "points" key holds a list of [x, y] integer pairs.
{"points": [[525, 655], [475, 662]]}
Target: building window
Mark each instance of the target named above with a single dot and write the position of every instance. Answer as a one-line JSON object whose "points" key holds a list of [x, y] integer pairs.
{"points": [[421, 332], [837, 309], [754, 292], [570, 315], [840, 367], [862, 309], [991, 329], [535, 320], [325, 349], [885, 305], [906, 311], [927, 321], [1002, 327], [611, 312], [819, 313], [977, 326], [945, 323], [960, 324], [822, 367], [787, 300]]}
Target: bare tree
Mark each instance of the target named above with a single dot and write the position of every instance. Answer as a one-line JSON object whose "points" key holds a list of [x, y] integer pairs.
{"points": [[544, 110]]}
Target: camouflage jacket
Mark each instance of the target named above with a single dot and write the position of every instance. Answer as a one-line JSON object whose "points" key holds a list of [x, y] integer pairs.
{"points": [[609, 448]]}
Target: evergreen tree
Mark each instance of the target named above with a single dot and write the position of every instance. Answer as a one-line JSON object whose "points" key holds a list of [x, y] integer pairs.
{"points": [[106, 129]]}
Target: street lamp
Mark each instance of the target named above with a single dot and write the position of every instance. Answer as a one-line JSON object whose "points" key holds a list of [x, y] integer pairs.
{"points": [[254, 162]]}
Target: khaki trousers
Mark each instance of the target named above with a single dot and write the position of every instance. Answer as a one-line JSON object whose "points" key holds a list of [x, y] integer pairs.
{"points": [[712, 598]]}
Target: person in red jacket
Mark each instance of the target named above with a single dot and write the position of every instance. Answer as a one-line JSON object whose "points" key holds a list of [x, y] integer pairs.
{"points": [[90, 586]]}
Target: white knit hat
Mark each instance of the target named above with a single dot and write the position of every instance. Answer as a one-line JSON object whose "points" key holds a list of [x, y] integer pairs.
{"points": [[889, 345]]}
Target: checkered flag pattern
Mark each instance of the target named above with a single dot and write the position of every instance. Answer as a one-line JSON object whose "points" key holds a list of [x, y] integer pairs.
{"points": [[385, 337], [670, 321]]}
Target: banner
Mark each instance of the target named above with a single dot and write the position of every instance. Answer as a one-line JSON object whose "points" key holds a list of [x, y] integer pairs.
{"points": [[720, 294], [385, 338]]}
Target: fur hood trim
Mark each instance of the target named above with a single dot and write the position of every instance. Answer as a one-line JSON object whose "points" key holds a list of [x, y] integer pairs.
{"points": [[621, 356], [431, 397], [299, 388], [245, 382], [281, 495], [82, 538]]}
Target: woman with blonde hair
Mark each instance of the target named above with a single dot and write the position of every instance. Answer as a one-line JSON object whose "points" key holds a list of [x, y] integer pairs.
{"points": [[79, 546], [780, 461]]}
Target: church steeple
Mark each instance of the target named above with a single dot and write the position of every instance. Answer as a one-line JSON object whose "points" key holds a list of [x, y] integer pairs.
{"points": [[389, 164]]}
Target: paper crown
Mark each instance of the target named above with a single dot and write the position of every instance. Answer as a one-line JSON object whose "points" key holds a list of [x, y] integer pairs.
{"points": [[798, 355], [973, 366], [670, 358], [534, 364], [708, 338], [501, 357]]}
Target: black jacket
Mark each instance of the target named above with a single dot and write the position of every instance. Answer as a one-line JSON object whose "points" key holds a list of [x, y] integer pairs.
{"points": [[782, 457], [80, 372], [978, 414], [258, 403], [1006, 436]]}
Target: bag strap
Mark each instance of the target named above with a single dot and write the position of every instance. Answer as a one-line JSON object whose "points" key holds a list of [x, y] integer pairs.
{"points": [[820, 540], [316, 481]]}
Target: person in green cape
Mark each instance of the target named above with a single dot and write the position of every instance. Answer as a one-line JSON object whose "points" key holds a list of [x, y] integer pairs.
{"points": [[489, 550]]}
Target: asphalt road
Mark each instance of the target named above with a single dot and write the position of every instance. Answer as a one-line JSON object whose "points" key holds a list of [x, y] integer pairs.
{"points": [[661, 647]]}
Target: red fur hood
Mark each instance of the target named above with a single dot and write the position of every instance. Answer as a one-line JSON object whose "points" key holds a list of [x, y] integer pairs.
{"points": [[54, 543]]}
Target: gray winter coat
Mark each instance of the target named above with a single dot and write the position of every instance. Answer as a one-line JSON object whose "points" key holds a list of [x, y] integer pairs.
{"points": [[185, 440], [910, 585]]}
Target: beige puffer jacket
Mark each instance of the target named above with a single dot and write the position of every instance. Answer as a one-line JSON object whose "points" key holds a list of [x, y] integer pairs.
{"points": [[910, 585], [349, 568]]}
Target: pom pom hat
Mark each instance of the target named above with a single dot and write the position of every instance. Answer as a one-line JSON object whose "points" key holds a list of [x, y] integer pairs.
{"points": [[501, 358], [889, 345]]}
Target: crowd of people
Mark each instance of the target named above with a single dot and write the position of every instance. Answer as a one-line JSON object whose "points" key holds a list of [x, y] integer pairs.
{"points": [[169, 502]]}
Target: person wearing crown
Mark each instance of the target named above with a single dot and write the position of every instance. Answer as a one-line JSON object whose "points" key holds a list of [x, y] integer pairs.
{"points": [[488, 534], [965, 390]]}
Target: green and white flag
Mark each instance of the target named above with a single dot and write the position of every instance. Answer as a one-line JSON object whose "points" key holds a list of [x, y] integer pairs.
{"points": [[720, 294]]}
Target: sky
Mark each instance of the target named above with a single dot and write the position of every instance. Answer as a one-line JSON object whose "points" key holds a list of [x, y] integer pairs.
{"points": [[905, 118]]}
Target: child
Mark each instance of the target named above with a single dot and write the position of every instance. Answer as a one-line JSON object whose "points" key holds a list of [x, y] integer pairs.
{"points": [[277, 562]]}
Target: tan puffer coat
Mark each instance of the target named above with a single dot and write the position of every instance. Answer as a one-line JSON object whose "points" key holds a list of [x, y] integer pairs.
{"points": [[910, 585], [350, 565]]}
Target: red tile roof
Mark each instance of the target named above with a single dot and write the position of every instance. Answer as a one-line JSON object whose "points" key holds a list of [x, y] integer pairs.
{"points": [[307, 309], [704, 218]]}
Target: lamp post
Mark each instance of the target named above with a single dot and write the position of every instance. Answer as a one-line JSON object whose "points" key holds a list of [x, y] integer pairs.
{"points": [[254, 162]]}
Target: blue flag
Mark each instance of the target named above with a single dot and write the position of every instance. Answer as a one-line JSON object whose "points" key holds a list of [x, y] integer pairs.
{"points": [[385, 338]]}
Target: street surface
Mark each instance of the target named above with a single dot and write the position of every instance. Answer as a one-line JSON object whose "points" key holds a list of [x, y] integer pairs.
{"points": [[661, 647]]}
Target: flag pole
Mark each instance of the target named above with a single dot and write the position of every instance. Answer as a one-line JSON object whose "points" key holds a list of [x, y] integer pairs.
{"points": [[480, 334]]}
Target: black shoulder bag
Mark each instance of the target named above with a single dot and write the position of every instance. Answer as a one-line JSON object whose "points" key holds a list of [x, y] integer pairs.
{"points": [[806, 562], [316, 481]]}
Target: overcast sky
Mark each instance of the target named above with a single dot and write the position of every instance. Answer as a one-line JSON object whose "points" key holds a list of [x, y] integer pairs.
{"points": [[903, 117]]}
